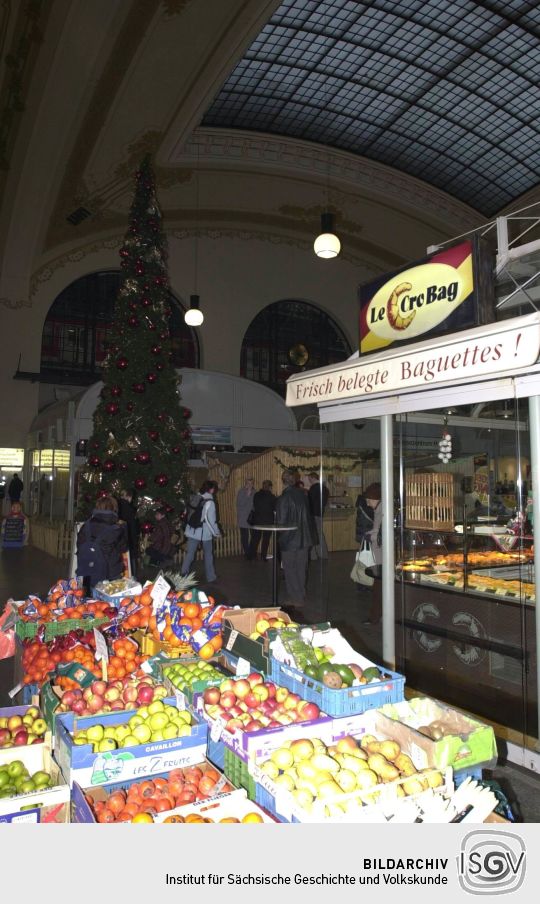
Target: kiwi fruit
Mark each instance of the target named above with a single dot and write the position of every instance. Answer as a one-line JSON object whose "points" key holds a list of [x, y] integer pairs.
{"points": [[332, 680]]}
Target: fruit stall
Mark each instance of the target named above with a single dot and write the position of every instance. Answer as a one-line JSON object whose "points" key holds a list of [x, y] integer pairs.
{"points": [[156, 704]]}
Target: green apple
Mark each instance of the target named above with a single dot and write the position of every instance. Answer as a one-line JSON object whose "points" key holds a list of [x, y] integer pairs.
{"points": [[95, 733], [41, 778], [158, 721], [129, 741], [16, 768], [143, 733], [135, 720], [26, 786], [106, 744], [121, 732], [170, 731], [143, 712], [183, 731], [184, 715], [156, 707], [39, 726], [157, 736], [109, 732], [170, 711], [80, 741]]}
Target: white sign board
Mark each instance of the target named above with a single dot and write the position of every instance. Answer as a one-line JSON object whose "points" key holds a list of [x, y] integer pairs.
{"points": [[511, 345]]}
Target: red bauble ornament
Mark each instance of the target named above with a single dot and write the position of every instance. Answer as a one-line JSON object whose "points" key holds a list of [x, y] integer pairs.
{"points": [[161, 480], [153, 435], [112, 408], [116, 391], [159, 366], [94, 461], [122, 363], [133, 320], [102, 493], [143, 458], [130, 406], [123, 466], [163, 336], [156, 349], [139, 483], [162, 417], [187, 413], [139, 267], [185, 434], [147, 527], [151, 377], [176, 450], [138, 387], [146, 302], [109, 465], [133, 306]]}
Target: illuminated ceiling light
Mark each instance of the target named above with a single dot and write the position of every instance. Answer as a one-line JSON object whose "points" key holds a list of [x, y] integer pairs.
{"points": [[194, 316], [327, 244]]}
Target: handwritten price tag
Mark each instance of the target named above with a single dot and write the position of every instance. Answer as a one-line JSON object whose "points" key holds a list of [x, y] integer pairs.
{"points": [[101, 646], [159, 592], [231, 640], [216, 730], [180, 699]]}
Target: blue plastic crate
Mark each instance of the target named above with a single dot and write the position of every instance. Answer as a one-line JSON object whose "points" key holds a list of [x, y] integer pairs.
{"points": [[216, 753], [347, 701], [267, 801]]}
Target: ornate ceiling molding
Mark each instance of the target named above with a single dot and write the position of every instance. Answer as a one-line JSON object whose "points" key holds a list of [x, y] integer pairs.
{"points": [[257, 151], [15, 305]]}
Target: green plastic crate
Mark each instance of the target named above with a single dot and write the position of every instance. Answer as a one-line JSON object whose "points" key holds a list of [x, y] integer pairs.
{"points": [[236, 771], [28, 630]]}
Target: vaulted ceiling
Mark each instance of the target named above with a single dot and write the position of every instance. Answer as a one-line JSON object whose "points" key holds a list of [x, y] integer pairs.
{"points": [[443, 90]]}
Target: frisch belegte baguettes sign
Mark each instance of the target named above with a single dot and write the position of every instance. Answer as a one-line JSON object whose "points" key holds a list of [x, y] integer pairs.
{"points": [[448, 291]]}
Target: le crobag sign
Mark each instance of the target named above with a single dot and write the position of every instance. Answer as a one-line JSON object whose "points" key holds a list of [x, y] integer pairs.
{"points": [[512, 345], [450, 290]]}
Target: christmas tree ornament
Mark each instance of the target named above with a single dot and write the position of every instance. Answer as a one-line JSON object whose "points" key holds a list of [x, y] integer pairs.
{"points": [[116, 391], [134, 321], [94, 461], [153, 435], [143, 458], [103, 493], [146, 302], [139, 483], [151, 377], [156, 349], [122, 363], [109, 465], [159, 365], [161, 480], [138, 387], [130, 406], [123, 467], [176, 450], [147, 527], [112, 408], [162, 417], [186, 413], [186, 434]]}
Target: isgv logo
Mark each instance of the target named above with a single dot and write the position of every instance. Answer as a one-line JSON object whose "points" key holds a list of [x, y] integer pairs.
{"points": [[491, 863]]}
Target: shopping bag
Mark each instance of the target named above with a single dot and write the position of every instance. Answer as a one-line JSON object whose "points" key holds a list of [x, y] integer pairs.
{"points": [[358, 573], [365, 554]]}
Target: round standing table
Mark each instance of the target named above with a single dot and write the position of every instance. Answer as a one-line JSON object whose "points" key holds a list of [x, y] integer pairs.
{"points": [[275, 528]]}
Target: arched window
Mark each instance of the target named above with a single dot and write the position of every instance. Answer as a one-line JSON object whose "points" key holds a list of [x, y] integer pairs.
{"points": [[286, 338], [76, 331]]}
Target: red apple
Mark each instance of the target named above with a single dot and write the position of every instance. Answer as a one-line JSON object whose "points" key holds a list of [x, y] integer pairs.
{"points": [[227, 685], [5, 736], [14, 723], [292, 701], [251, 700], [281, 694], [129, 694], [261, 692], [241, 688], [254, 725], [255, 678], [95, 704], [20, 737], [235, 725], [274, 724], [271, 688], [68, 697], [145, 694], [111, 694], [99, 687], [228, 700], [236, 711], [308, 711], [117, 706], [78, 706], [212, 695]]}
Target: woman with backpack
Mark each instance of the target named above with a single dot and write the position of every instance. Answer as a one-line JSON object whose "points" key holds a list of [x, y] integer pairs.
{"points": [[202, 527], [101, 541]]}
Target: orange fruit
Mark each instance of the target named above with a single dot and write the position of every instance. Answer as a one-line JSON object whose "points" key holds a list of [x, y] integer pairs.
{"points": [[192, 610], [206, 651]]}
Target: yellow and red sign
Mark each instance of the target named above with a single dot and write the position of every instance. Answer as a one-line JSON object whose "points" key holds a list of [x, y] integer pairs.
{"points": [[437, 295]]}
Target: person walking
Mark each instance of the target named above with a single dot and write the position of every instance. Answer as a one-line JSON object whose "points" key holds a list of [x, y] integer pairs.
{"points": [[318, 497], [15, 489], [372, 496], [101, 542], [204, 533], [292, 510], [161, 548], [264, 506], [244, 506], [127, 512]]}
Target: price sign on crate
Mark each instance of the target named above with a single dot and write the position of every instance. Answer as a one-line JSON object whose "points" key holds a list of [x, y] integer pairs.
{"points": [[159, 592]]}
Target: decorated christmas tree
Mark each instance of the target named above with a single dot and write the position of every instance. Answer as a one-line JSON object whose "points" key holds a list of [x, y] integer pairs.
{"points": [[141, 436]]}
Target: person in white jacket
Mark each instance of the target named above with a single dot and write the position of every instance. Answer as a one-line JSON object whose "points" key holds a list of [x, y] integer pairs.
{"points": [[204, 534]]}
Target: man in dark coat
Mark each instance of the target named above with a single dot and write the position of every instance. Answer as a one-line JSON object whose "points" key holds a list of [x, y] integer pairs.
{"points": [[101, 541], [15, 489], [292, 510], [161, 547], [264, 506]]}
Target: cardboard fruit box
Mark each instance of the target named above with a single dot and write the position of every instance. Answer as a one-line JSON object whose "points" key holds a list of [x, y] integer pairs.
{"points": [[225, 807], [80, 764], [82, 812], [238, 624], [46, 805], [470, 743]]}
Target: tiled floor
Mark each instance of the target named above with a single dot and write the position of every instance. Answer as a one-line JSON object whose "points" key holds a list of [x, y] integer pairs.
{"points": [[331, 595]]}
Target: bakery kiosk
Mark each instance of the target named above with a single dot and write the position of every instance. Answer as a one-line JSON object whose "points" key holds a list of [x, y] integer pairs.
{"points": [[460, 563]]}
